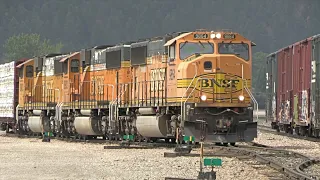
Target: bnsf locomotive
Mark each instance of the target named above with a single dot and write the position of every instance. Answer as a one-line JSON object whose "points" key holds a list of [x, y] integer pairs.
{"points": [[190, 86]]}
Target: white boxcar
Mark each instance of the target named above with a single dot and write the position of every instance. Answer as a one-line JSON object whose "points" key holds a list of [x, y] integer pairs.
{"points": [[7, 90]]}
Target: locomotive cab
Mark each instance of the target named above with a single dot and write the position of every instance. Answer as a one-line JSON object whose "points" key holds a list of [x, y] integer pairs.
{"points": [[214, 81]]}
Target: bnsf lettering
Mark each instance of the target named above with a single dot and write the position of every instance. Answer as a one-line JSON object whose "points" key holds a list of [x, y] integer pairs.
{"points": [[224, 83]]}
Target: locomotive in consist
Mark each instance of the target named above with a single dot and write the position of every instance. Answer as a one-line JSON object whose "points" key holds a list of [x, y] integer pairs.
{"points": [[187, 86], [293, 88]]}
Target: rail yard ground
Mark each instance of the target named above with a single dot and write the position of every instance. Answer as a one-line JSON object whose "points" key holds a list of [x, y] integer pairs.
{"points": [[33, 159], [29, 158]]}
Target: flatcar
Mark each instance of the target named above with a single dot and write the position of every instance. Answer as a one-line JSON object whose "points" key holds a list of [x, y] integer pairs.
{"points": [[186, 86], [293, 88]]}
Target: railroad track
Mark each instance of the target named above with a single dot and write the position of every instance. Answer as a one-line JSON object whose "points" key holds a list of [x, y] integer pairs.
{"points": [[311, 167], [273, 131], [288, 163], [111, 144]]}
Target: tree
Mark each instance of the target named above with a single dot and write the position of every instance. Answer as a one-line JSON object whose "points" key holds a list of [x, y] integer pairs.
{"points": [[258, 71], [27, 46], [259, 76]]}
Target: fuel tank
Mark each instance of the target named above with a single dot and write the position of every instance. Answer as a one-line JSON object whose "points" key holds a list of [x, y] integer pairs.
{"points": [[87, 126], [35, 124], [152, 126]]}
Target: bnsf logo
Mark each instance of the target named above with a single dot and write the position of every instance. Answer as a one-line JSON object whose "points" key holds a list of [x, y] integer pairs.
{"points": [[224, 83]]}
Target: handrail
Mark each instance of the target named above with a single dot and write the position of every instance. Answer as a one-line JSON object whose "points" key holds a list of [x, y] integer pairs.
{"points": [[112, 103], [58, 93], [195, 75], [17, 113], [58, 115], [252, 97], [111, 97], [184, 104]]}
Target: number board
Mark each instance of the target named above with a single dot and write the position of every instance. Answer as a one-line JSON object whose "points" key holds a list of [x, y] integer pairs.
{"points": [[201, 36], [157, 79], [229, 36]]}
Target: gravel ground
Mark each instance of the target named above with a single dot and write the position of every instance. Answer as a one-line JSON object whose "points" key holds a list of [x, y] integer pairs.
{"points": [[308, 148], [315, 170], [33, 159], [263, 122]]}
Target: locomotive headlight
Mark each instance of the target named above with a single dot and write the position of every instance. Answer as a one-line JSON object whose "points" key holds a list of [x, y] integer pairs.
{"points": [[212, 36], [218, 35], [241, 98], [203, 97]]}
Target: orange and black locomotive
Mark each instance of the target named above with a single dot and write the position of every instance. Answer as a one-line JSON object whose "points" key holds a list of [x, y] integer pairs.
{"points": [[187, 86]]}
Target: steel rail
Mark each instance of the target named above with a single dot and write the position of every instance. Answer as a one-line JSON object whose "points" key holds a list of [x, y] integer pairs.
{"points": [[268, 129], [248, 151]]}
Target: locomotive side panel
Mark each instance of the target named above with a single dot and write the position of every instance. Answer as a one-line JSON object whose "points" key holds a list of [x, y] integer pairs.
{"points": [[156, 78], [52, 80], [26, 95], [26, 83], [140, 89], [103, 85], [124, 77]]}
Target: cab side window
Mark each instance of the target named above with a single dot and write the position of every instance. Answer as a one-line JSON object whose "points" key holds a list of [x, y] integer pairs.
{"points": [[74, 65], [207, 65], [29, 71], [172, 52]]}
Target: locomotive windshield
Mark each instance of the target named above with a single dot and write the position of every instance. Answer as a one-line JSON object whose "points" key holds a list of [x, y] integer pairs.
{"points": [[189, 48], [239, 49]]}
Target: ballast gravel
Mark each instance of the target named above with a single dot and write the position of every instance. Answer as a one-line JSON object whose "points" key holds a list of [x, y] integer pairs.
{"points": [[305, 147], [33, 159], [314, 170]]}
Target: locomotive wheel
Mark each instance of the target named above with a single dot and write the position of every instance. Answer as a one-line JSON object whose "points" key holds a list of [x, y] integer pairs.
{"points": [[302, 131], [7, 128], [291, 130], [296, 129], [309, 134], [315, 132], [232, 143]]}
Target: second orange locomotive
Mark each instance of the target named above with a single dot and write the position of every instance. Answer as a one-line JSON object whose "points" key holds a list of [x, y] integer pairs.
{"points": [[190, 86]]}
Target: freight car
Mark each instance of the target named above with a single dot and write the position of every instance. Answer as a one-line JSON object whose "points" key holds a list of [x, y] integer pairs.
{"points": [[293, 88], [8, 94], [187, 86]]}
